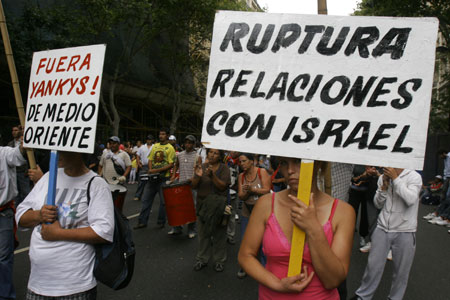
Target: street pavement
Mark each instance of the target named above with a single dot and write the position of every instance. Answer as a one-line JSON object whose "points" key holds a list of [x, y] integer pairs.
{"points": [[164, 266]]}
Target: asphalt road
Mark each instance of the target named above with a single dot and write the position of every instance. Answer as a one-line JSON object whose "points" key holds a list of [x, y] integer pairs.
{"points": [[164, 266]]}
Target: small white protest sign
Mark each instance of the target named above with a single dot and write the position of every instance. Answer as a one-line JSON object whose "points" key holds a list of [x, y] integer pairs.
{"points": [[344, 89], [63, 95]]}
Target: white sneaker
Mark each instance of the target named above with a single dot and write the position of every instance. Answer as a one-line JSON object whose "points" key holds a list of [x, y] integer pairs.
{"points": [[430, 216], [443, 223], [366, 247], [362, 241], [389, 256], [433, 221]]}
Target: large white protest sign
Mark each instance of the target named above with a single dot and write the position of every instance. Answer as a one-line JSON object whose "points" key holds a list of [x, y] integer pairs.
{"points": [[63, 96], [344, 89]]}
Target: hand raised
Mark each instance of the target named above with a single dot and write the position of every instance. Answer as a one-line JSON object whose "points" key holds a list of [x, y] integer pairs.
{"points": [[199, 171], [390, 172], [35, 174]]}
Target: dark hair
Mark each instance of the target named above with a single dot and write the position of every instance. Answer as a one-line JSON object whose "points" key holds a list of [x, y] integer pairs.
{"points": [[249, 156], [164, 129], [221, 153]]}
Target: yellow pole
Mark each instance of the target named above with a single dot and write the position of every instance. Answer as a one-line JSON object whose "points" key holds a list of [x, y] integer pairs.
{"points": [[298, 235], [303, 194], [14, 79]]}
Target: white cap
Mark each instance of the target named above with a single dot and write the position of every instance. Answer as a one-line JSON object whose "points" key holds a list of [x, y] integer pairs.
{"points": [[172, 138], [438, 176]]}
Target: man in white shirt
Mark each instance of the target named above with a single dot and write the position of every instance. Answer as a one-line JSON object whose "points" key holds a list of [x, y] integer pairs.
{"points": [[23, 181], [10, 158], [142, 161]]}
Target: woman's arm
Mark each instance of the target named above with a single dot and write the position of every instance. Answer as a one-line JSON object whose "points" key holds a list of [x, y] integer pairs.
{"points": [[198, 173], [242, 194], [330, 263], [220, 184], [250, 246]]}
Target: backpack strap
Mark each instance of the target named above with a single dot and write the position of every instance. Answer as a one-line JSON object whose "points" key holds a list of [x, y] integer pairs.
{"points": [[88, 192], [259, 174]]}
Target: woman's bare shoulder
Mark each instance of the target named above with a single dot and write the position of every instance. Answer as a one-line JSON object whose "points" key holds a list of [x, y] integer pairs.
{"points": [[263, 206], [344, 213]]}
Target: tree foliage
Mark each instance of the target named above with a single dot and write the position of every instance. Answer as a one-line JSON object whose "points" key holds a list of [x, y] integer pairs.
{"points": [[181, 30], [440, 108]]}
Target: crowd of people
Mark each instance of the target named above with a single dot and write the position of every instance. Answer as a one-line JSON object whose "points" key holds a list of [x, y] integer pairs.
{"points": [[229, 189]]}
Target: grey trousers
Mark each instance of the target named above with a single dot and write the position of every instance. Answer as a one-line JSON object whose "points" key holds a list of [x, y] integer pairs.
{"points": [[214, 245], [403, 246]]}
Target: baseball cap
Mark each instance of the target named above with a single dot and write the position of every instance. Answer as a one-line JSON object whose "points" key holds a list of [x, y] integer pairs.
{"points": [[172, 138], [114, 139], [150, 137], [438, 177], [191, 138]]}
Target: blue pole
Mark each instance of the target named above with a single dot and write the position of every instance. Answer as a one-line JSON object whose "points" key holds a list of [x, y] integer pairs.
{"points": [[53, 172]]}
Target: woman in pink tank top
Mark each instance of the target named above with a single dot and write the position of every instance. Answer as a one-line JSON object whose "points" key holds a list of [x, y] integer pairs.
{"points": [[329, 226]]}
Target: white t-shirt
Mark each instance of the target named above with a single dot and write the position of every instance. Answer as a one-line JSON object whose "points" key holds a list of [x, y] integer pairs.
{"points": [[143, 153], [61, 267]]}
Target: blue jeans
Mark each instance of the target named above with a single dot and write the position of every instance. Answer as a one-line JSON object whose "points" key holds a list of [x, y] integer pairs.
{"points": [[6, 254], [23, 187], [150, 191]]}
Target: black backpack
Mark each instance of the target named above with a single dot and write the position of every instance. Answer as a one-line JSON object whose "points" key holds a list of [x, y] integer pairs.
{"points": [[114, 262]]}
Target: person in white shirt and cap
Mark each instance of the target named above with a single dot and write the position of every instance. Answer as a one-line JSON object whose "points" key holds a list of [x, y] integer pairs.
{"points": [[114, 166]]}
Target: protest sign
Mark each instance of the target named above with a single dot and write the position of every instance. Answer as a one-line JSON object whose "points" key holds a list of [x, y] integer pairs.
{"points": [[63, 96], [344, 89]]}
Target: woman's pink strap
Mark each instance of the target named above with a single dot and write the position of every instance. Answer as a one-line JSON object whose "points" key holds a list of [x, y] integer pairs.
{"points": [[273, 200], [333, 209]]}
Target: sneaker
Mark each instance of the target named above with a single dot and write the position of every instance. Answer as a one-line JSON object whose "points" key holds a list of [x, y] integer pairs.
{"points": [[192, 234], [366, 247], [199, 265], [389, 256], [362, 241], [139, 226], [443, 223], [218, 267], [241, 274], [174, 231], [435, 220], [136, 199], [430, 216]]}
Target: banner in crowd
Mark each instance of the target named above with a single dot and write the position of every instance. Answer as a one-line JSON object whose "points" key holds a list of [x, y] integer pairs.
{"points": [[63, 98], [344, 89]]}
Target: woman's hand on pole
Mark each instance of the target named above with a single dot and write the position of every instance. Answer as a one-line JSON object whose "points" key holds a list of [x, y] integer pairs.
{"points": [[297, 283], [304, 216]]}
